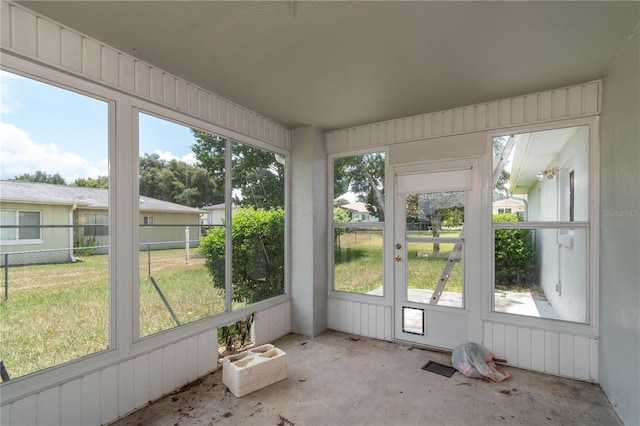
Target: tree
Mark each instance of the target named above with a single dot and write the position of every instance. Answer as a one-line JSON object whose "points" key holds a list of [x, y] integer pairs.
{"points": [[178, 182], [435, 207], [364, 176], [99, 182], [340, 202], [257, 175], [501, 191], [41, 177]]}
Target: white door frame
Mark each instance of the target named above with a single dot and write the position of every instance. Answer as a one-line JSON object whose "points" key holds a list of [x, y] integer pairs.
{"points": [[444, 327]]}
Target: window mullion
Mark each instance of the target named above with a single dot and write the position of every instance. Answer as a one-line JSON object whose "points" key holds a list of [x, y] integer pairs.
{"points": [[228, 212]]}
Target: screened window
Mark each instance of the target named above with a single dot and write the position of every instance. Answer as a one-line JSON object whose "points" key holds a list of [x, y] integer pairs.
{"points": [[20, 225], [55, 306], [258, 223], [541, 255], [194, 265], [181, 171], [358, 223], [96, 225]]}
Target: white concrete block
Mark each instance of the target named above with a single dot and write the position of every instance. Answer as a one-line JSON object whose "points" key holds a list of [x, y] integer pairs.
{"points": [[254, 369]]}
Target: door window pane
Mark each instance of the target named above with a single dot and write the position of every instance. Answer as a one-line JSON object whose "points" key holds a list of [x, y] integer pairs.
{"points": [[435, 248]]}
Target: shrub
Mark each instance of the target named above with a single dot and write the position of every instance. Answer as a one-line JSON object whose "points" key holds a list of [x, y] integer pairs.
{"points": [[234, 337], [257, 237], [83, 246], [514, 254]]}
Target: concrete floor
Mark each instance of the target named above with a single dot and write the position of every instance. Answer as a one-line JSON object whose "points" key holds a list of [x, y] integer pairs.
{"points": [[340, 379]]}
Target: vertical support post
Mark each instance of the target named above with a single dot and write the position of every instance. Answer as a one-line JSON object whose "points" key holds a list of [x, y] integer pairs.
{"points": [[149, 260], [186, 244], [6, 276]]}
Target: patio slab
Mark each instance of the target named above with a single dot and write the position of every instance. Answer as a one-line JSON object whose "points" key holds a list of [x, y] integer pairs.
{"points": [[510, 302], [342, 379]]}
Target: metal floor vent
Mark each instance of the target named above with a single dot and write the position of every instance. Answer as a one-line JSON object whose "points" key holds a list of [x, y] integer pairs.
{"points": [[441, 369]]}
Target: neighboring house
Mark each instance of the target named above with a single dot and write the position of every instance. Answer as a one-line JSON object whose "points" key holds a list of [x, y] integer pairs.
{"points": [[214, 214], [510, 205], [39, 222], [359, 212]]}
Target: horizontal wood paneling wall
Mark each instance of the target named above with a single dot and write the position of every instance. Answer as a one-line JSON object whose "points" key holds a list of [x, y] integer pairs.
{"points": [[363, 319], [560, 354], [26, 34], [110, 393], [571, 102]]}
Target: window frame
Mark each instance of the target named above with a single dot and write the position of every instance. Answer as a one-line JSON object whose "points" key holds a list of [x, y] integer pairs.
{"points": [[387, 270], [18, 240], [123, 212], [143, 344], [60, 80], [591, 324], [104, 228]]}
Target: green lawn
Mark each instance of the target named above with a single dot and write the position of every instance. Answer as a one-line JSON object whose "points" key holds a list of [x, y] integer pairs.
{"points": [[56, 313], [358, 264], [60, 312]]}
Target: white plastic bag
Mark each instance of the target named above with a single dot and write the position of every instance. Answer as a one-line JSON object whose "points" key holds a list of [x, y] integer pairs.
{"points": [[474, 360]]}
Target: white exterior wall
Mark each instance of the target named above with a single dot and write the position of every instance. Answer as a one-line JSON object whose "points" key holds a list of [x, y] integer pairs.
{"points": [[620, 234], [169, 234], [103, 387], [561, 259], [465, 132]]}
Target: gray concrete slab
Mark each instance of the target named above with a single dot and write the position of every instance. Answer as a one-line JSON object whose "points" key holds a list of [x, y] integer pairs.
{"points": [[341, 379]]}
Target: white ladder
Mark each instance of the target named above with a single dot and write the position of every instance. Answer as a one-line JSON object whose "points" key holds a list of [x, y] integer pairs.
{"points": [[456, 253]]}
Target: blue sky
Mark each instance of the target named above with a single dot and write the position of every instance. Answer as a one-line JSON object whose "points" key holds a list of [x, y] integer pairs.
{"points": [[54, 130]]}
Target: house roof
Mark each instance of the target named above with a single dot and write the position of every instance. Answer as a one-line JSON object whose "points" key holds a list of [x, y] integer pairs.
{"points": [[358, 206], [534, 152], [219, 206], [337, 64], [508, 202], [93, 198]]}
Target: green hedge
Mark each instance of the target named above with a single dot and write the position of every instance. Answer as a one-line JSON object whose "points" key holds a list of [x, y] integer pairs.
{"points": [[514, 255], [257, 254]]}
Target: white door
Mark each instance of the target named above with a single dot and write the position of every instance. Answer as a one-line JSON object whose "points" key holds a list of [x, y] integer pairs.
{"points": [[431, 254]]}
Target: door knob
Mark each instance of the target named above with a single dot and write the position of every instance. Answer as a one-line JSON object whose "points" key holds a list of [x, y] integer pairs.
{"points": [[398, 258]]}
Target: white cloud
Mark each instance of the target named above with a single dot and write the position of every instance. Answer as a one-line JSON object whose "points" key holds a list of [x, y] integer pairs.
{"points": [[22, 155], [189, 158]]}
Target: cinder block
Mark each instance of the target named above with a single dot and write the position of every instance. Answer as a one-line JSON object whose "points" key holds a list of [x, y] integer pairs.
{"points": [[254, 369]]}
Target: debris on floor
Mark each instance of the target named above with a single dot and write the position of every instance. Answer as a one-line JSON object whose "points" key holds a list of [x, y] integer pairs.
{"points": [[474, 360]]}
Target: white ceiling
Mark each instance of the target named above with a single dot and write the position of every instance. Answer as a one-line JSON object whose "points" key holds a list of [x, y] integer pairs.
{"points": [[339, 64]]}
